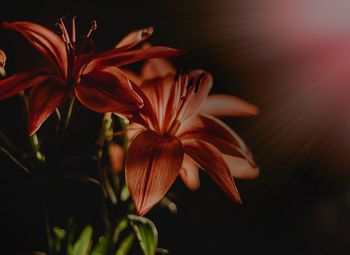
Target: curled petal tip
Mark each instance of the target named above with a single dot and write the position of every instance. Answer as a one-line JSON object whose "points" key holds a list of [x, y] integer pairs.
{"points": [[255, 110], [4, 24], [149, 30]]}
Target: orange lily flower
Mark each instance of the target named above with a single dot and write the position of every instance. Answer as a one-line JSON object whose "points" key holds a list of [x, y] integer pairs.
{"points": [[176, 132], [94, 78]]}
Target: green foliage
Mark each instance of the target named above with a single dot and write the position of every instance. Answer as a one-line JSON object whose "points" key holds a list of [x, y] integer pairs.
{"points": [[83, 244], [146, 233], [126, 245]]}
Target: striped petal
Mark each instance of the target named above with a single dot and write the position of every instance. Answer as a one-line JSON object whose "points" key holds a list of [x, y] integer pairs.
{"points": [[107, 90], [152, 166], [209, 158], [43, 99], [18, 82], [44, 40], [225, 105]]}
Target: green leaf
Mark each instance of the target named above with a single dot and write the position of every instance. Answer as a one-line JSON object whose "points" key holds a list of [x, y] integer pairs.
{"points": [[124, 194], [59, 233], [125, 246], [83, 244], [146, 233], [162, 251], [57, 241], [122, 225], [101, 247]]}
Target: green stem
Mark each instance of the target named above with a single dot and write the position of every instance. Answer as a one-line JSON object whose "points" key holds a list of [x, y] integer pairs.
{"points": [[68, 115], [48, 232], [13, 158], [34, 141], [125, 123]]}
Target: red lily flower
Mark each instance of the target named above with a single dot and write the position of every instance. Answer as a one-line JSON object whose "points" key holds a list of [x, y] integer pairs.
{"points": [[94, 78], [2, 64], [176, 133]]}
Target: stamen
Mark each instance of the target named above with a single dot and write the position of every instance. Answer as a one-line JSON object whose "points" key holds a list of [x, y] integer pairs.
{"points": [[190, 83], [73, 30], [63, 30], [92, 29], [198, 83]]}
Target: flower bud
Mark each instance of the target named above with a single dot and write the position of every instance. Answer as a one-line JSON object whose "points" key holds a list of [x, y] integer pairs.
{"points": [[116, 155]]}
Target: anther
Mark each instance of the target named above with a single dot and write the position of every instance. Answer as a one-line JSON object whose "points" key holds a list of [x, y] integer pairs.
{"points": [[73, 30], [198, 83], [190, 83], [93, 28]]}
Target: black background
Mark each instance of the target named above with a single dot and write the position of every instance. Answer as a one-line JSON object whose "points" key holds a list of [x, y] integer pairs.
{"points": [[300, 204]]}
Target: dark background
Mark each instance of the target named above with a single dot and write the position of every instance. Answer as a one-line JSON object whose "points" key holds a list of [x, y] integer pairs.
{"points": [[300, 203]]}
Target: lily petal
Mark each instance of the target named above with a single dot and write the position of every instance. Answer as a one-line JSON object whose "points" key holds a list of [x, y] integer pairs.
{"points": [[158, 92], [44, 40], [214, 131], [157, 67], [152, 166], [116, 58], [241, 168], [134, 38], [189, 173], [18, 82], [107, 90], [225, 105], [133, 77], [43, 99], [209, 158]]}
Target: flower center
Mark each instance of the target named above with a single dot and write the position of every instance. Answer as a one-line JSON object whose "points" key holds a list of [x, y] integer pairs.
{"points": [[71, 45], [186, 87]]}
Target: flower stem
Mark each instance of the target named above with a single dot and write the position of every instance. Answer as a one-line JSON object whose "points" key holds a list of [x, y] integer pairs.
{"points": [[34, 141], [105, 134], [68, 116], [9, 155], [125, 123]]}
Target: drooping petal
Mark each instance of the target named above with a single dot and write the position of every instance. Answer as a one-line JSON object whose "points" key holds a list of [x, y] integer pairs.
{"points": [[43, 99], [189, 173], [44, 40], [212, 130], [115, 58], [134, 38], [241, 168], [152, 166], [2, 64], [107, 90], [146, 115], [157, 67], [225, 105], [209, 158], [18, 82]]}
